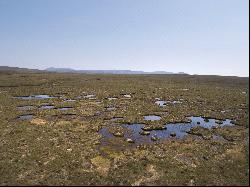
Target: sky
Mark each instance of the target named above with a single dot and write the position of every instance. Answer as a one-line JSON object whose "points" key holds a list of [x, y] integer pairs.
{"points": [[207, 37]]}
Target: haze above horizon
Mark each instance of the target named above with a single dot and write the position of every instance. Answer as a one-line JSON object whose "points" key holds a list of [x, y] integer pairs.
{"points": [[196, 37]]}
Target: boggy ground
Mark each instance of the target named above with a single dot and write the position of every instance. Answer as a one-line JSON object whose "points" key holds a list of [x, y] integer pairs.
{"points": [[57, 149]]}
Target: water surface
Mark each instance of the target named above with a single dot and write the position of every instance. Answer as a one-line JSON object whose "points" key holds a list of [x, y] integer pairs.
{"points": [[64, 108], [34, 97], [152, 118], [25, 117], [161, 103], [171, 131], [46, 107], [26, 107]]}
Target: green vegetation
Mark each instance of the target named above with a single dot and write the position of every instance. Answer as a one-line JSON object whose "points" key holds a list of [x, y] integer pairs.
{"points": [[64, 147]]}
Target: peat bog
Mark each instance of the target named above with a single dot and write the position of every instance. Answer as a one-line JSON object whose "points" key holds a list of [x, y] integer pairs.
{"points": [[82, 129]]}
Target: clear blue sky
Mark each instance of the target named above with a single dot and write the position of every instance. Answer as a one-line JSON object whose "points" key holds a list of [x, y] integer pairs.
{"points": [[193, 36]]}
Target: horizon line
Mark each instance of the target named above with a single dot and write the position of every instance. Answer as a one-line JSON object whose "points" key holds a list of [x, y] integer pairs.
{"points": [[179, 73]]}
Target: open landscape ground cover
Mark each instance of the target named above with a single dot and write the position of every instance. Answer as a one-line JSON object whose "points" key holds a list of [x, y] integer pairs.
{"points": [[76, 129]]}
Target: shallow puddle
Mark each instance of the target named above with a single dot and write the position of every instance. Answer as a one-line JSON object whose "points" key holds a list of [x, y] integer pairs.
{"points": [[218, 138], [127, 96], [110, 108], [161, 103], [27, 107], [224, 111], [174, 102], [112, 98], [152, 118], [98, 113], [116, 118], [69, 100], [25, 117], [43, 107], [208, 122], [136, 133], [64, 108], [34, 97], [90, 96]]}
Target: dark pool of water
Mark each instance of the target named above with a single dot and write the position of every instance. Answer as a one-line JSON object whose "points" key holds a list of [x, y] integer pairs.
{"points": [[34, 97], [152, 118], [178, 129], [25, 117]]}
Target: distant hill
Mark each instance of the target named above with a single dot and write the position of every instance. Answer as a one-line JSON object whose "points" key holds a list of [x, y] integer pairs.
{"points": [[69, 70], [17, 69]]}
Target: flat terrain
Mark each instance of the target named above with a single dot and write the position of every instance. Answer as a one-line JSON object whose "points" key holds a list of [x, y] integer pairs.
{"points": [[59, 142]]}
